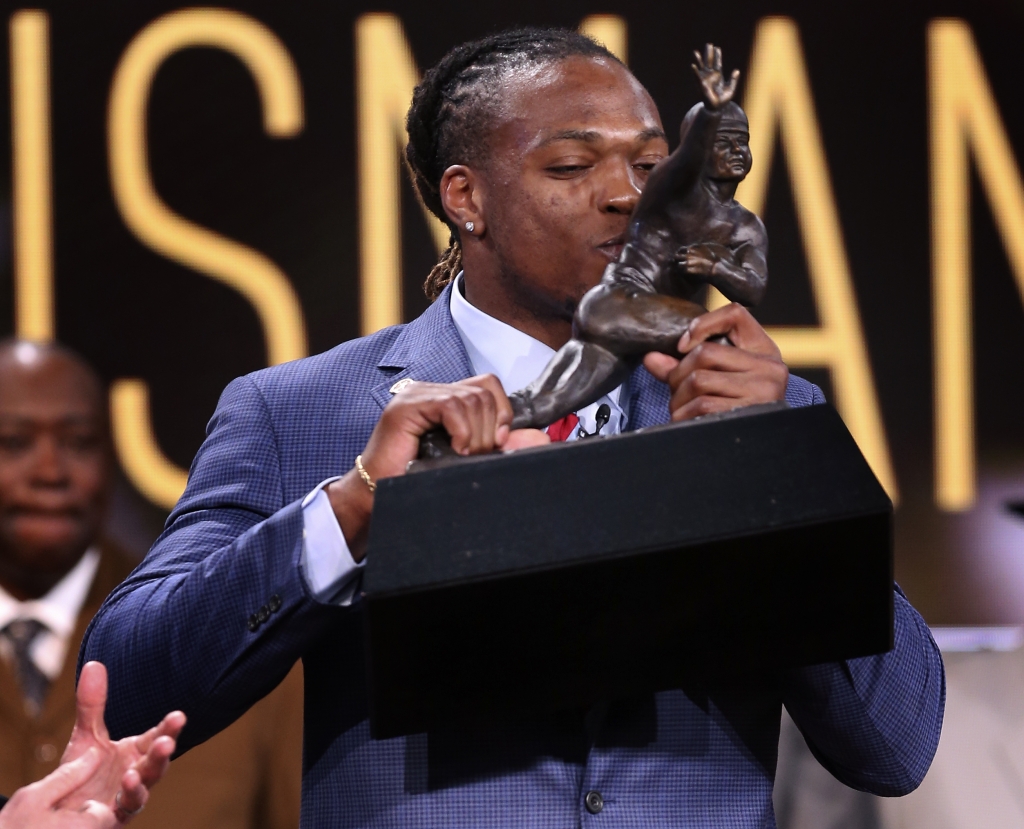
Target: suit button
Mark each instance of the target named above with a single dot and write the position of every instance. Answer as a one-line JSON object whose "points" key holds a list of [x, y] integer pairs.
{"points": [[263, 614], [275, 603], [594, 802], [253, 623]]}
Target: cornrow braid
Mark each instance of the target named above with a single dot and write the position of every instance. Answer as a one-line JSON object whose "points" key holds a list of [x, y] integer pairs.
{"points": [[454, 105], [446, 269]]}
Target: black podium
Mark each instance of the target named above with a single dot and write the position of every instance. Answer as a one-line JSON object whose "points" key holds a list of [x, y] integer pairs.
{"points": [[564, 575]]}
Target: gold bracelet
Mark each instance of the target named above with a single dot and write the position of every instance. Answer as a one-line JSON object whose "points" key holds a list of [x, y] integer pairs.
{"points": [[370, 483]]}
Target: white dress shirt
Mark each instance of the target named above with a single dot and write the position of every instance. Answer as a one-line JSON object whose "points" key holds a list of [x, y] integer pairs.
{"points": [[517, 359], [494, 347], [57, 611]]}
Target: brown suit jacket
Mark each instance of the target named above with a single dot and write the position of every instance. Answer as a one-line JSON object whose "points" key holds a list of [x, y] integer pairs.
{"points": [[247, 777]]}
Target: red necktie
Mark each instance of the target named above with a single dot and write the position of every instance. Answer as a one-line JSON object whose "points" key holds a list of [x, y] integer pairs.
{"points": [[563, 427]]}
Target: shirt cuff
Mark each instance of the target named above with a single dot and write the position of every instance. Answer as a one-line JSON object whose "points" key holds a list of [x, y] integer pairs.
{"points": [[332, 575]]}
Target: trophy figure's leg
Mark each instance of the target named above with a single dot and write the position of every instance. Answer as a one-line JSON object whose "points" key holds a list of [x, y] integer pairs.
{"points": [[631, 321], [577, 375], [615, 326]]}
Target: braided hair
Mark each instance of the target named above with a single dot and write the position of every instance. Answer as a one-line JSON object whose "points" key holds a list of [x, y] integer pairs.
{"points": [[454, 104]]}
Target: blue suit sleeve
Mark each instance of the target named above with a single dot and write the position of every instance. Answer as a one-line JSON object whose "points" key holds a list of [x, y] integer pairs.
{"points": [[218, 612], [874, 722]]}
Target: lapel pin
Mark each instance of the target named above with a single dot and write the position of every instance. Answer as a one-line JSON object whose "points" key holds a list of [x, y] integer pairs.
{"points": [[401, 384]]}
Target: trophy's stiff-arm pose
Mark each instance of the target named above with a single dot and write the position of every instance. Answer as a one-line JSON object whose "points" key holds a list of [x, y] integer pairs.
{"points": [[687, 231]]}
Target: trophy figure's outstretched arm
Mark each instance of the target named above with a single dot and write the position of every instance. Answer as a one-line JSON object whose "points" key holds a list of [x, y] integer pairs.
{"points": [[676, 175]]}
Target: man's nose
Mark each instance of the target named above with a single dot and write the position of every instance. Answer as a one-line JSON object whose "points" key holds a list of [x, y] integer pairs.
{"points": [[621, 189], [49, 467]]}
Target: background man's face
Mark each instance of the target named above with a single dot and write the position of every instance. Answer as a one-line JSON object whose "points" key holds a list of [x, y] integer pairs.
{"points": [[54, 465], [730, 156]]}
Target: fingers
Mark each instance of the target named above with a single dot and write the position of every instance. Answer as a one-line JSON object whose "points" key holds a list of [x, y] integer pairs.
{"points": [[735, 322], [730, 88], [154, 761], [660, 365], [91, 699], [132, 796], [525, 438], [713, 378], [156, 746], [469, 414], [475, 412], [170, 726], [502, 408], [67, 778]]}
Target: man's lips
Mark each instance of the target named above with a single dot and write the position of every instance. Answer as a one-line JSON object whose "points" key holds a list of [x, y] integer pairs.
{"points": [[612, 248], [59, 514]]}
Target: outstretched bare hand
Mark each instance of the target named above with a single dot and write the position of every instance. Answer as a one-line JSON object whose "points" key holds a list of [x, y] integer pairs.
{"points": [[128, 768], [717, 91]]}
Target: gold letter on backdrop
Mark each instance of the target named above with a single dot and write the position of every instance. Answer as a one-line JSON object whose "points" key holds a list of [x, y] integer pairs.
{"points": [[964, 116], [245, 270], [778, 92], [386, 76], [33, 210]]}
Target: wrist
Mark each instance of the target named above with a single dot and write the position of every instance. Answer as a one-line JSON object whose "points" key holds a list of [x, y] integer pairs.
{"points": [[352, 502]]}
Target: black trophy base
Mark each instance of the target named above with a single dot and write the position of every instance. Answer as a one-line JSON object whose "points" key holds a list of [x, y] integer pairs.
{"points": [[560, 576]]}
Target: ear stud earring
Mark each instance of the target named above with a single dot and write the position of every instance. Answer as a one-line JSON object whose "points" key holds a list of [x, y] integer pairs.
{"points": [[470, 226]]}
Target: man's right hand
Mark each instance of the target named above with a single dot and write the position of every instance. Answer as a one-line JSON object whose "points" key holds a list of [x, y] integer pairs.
{"points": [[475, 412], [37, 806]]}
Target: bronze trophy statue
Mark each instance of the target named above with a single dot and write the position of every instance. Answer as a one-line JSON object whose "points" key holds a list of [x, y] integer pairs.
{"points": [[687, 231], [677, 579]]}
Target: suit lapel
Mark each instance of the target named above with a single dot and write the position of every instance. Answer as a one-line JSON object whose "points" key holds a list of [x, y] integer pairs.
{"points": [[429, 349], [12, 703]]}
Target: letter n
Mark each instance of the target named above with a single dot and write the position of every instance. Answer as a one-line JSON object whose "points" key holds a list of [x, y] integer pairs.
{"points": [[963, 117]]}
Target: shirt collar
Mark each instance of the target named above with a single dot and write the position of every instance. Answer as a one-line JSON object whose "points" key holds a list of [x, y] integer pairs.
{"points": [[59, 608], [495, 347]]}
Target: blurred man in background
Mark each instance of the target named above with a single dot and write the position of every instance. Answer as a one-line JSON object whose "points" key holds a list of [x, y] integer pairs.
{"points": [[56, 469]]}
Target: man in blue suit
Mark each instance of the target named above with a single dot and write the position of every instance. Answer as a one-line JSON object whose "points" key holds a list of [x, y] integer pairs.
{"points": [[533, 146]]}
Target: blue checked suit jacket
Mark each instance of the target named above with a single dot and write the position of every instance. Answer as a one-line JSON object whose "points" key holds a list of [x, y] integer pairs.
{"points": [[175, 635]]}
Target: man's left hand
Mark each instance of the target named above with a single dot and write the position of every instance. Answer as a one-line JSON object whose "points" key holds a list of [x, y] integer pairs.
{"points": [[713, 377], [128, 768]]}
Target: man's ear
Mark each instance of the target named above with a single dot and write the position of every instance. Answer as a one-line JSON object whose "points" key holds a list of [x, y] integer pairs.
{"points": [[462, 195]]}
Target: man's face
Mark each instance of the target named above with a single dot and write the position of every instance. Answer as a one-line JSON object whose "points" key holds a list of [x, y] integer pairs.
{"points": [[730, 156], [54, 463], [570, 153]]}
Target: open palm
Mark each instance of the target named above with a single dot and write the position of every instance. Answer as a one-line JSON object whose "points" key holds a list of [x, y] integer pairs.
{"points": [[717, 90], [128, 767]]}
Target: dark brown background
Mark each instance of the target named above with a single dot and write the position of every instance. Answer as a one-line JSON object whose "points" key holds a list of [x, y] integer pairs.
{"points": [[136, 314]]}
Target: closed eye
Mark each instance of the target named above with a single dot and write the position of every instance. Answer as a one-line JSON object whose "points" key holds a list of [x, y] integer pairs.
{"points": [[568, 170]]}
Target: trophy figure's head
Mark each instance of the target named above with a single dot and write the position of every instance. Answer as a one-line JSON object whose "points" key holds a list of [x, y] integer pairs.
{"points": [[729, 158]]}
